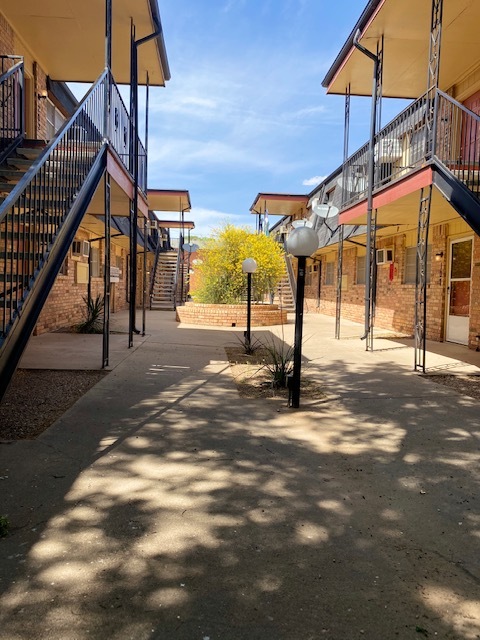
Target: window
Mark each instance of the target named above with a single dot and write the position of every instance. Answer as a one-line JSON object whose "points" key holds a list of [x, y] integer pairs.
{"points": [[360, 276], [329, 272], [411, 264], [95, 262]]}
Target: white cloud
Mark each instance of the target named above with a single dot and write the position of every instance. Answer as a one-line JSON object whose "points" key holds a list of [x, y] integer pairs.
{"points": [[206, 220], [313, 181]]}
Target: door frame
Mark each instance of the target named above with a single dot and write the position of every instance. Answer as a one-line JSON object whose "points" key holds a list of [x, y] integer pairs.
{"points": [[451, 242]]}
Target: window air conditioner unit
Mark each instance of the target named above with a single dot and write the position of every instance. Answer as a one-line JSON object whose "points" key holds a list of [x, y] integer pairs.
{"points": [[384, 256], [81, 248], [388, 150]]}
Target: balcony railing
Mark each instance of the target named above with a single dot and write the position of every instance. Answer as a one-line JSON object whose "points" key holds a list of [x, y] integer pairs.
{"points": [[403, 146], [457, 141], [119, 134], [11, 104]]}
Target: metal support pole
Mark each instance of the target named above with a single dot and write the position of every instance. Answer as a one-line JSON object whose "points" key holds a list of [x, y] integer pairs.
{"points": [[297, 348], [134, 168], [421, 279], [433, 72], [108, 34], [338, 309], [144, 285], [106, 276], [370, 180]]}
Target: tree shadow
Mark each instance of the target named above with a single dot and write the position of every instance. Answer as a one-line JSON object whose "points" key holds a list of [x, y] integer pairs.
{"points": [[192, 513]]}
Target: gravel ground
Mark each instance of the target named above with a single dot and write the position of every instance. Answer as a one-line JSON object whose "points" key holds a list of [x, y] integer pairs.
{"points": [[464, 384], [37, 397]]}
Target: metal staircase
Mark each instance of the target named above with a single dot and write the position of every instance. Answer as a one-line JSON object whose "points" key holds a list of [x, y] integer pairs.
{"points": [[45, 194], [162, 294]]}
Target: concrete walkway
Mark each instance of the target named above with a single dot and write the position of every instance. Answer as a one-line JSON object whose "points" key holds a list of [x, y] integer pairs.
{"points": [[162, 505]]}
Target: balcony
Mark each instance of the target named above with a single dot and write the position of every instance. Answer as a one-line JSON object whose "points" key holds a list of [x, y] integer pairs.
{"points": [[407, 144]]}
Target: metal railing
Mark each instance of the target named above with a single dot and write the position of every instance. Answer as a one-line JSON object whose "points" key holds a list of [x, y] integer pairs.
{"points": [[12, 82], [120, 137], [400, 147], [34, 212], [178, 277], [457, 141], [403, 145]]}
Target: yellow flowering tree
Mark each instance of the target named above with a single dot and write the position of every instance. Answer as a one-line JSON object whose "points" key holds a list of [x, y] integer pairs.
{"points": [[220, 277]]}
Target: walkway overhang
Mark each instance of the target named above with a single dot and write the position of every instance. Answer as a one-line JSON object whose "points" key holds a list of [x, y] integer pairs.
{"points": [[398, 205], [280, 204], [169, 200], [176, 224], [68, 38], [405, 27]]}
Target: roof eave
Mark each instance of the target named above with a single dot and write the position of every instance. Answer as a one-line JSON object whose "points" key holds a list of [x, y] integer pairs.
{"points": [[160, 41], [347, 47]]}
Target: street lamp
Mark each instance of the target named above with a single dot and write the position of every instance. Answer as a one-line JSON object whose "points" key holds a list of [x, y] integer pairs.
{"points": [[301, 243], [249, 266]]}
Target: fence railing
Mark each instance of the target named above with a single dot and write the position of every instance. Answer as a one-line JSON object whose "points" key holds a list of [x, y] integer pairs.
{"points": [[12, 83]]}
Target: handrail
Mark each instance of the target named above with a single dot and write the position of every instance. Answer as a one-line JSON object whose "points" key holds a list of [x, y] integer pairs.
{"points": [[176, 277], [12, 117], [154, 272], [32, 215]]}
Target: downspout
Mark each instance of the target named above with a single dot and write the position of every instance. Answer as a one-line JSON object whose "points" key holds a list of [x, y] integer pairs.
{"points": [[371, 171]]}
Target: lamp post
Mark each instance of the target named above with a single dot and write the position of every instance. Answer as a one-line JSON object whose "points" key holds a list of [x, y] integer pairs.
{"points": [[302, 242], [249, 266]]}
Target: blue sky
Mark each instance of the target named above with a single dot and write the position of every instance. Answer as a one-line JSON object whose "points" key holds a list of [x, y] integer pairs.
{"points": [[245, 111]]}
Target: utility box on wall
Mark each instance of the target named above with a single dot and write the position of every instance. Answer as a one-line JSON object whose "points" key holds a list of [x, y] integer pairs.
{"points": [[81, 273]]}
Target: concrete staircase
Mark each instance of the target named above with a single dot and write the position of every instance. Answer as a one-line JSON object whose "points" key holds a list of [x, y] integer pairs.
{"points": [[163, 292]]}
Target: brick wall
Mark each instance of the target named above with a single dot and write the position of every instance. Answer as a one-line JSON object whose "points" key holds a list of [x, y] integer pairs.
{"points": [[7, 38], [231, 315], [395, 299], [65, 305]]}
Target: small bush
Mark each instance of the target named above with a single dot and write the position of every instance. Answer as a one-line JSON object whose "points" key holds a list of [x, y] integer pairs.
{"points": [[279, 363], [4, 526], [93, 322]]}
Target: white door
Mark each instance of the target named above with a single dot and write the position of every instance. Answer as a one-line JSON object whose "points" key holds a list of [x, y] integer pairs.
{"points": [[459, 290]]}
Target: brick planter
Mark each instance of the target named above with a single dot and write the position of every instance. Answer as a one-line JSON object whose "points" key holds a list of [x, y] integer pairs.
{"points": [[231, 315]]}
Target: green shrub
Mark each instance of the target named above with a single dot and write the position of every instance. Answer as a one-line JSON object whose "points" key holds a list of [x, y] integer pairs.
{"points": [[279, 363], [93, 322], [4, 526], [220, 276]]}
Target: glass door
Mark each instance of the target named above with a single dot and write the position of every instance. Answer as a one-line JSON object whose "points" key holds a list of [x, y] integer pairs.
{"points": [[459, 289]]}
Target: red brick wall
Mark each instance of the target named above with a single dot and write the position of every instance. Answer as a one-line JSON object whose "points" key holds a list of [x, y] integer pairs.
{"points": [[7, 37], [231, 315], [65, 305], [395, 300]]}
